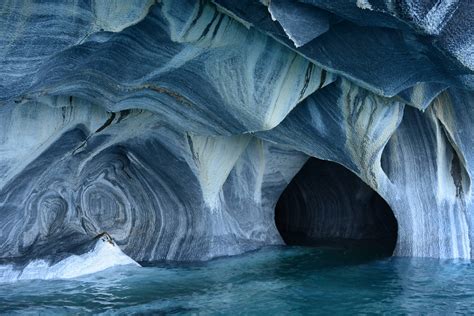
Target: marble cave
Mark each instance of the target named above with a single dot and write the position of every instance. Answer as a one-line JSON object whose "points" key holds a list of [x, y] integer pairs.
{"points": [[141, 131]]}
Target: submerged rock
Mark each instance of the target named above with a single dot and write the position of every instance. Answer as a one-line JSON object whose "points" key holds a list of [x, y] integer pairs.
{"points": [[91, 257], [176, 125]]}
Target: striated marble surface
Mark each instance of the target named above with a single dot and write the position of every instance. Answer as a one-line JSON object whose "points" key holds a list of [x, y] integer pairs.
{"points": [[161, 193], [176, 125]]}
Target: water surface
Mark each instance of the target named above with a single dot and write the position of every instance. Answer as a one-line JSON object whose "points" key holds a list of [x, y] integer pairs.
{"points": [[279, 280]]}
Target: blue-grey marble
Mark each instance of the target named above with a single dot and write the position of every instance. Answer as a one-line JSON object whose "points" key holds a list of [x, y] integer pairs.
{"points": [[175, 126]]}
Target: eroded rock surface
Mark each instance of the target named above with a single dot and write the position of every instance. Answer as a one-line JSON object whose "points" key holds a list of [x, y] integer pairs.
{"points": [[175, 125]]}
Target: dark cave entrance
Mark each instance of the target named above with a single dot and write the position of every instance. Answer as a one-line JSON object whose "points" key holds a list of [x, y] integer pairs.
{"points": [[326, 205]]}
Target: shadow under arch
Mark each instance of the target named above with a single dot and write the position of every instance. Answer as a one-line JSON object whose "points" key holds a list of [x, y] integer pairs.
{"points": [[326, 205]]}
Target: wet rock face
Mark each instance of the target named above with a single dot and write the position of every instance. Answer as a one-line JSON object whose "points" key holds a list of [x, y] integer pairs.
{"points": [[175, 125]]}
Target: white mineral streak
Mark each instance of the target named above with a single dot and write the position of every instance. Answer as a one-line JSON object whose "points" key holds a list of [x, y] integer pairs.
{"points": [[215, 157], [370, 121], [116, 15], [434, 20], [364, 4], [21, 143], [287, 32]]}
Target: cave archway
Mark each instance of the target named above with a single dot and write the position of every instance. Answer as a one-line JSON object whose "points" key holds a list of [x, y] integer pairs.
{"points": [[327, 205]]}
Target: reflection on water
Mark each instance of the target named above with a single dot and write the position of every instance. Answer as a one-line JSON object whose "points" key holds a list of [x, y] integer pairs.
{"points": [[281, 280]]}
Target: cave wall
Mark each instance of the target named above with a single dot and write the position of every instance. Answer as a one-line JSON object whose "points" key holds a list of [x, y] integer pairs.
{"points": [[175, 125], [161, 193], [327, 205]]}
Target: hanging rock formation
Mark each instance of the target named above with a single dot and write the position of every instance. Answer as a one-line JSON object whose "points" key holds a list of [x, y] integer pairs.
{"points": [[175, 125]]}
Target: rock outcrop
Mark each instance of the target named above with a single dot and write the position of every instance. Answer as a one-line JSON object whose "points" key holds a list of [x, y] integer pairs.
{"points": [[91, 257]]}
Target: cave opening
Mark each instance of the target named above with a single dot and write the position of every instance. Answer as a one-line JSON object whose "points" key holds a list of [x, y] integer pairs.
{"points": [[326, 205]]}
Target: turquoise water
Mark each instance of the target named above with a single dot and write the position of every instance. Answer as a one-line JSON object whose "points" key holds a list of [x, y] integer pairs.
{"points": [[283, 280]]}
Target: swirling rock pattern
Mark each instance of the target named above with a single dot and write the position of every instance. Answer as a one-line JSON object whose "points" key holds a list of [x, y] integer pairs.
{"points": [[175, 125], [151, 188]]}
